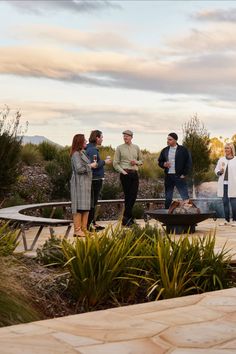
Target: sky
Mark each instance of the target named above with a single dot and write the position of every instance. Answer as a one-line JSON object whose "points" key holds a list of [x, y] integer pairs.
{"points": [[72, 66]]}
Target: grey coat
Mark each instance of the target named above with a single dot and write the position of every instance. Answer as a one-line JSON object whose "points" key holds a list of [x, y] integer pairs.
{"points": [[80, 184]]}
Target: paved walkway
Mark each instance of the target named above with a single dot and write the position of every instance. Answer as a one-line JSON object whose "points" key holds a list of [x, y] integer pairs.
{"points": [[194, 324], [223, 234]]}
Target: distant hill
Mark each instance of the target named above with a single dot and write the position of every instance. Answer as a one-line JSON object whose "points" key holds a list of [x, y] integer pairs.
{"points": [[37, 139]]}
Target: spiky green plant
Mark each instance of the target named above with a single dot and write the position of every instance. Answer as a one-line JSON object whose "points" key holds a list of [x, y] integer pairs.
{"points": [[8, 240], [101, 265]]}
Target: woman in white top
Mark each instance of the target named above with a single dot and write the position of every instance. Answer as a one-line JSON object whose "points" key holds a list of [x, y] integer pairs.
{"points": [[226, 170]]}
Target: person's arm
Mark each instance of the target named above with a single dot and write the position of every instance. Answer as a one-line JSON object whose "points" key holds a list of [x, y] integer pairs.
{"points": [[116, 162], [139, 161], [79, 166], [161, 160], [91, 151], [218, 169]]}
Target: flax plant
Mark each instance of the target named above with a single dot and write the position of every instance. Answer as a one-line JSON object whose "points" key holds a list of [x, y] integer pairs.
{"points": [[102, 267], [8, 240]]}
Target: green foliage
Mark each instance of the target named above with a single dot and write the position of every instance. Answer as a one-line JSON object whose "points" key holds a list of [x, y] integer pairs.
{"points": [[10, 144], [110, 191], [59, 171], [16, 199], [50, 253], [102, 267], [30, 154], [8, 240], [48, 150], [138, 211], [186, 266], [105, 151], [50, 213], [150, 168], [196, 140]]}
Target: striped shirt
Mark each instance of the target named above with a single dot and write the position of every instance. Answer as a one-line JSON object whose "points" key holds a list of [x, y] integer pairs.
{"points": [[171, 158]]}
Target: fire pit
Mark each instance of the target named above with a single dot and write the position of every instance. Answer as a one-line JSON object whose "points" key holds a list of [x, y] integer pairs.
{"points": [[178, 223]]}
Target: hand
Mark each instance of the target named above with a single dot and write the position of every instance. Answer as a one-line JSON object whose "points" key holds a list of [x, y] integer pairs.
{"points": [[133, 163], [222, 170], [182, 176], [167, 164], [124, 173], [94, 165], [108, 161]]}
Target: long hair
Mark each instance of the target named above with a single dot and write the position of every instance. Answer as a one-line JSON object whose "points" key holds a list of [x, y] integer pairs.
{"points": [[94, 135], [231, 145], [77, 143]]}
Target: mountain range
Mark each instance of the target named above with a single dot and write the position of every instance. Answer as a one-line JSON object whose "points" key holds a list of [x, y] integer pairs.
{"points": [[36, 139]]}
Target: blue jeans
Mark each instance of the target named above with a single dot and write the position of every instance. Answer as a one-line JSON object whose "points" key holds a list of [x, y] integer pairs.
{"points": [[172, 181], [227, 202]]}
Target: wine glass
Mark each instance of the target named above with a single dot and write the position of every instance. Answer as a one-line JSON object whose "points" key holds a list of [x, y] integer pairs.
{"points": [[94, 158]]}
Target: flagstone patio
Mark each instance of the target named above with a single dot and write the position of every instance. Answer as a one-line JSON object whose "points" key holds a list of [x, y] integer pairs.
{"points": [[197, 324]]}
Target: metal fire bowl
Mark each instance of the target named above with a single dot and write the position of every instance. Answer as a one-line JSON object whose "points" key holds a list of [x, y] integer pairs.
{"points": [[177, 219]]}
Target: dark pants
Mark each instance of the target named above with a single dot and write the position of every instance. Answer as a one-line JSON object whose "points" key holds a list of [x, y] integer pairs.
{"points": [[172, 181], [95, 192], [130, 183], [227, 202]]}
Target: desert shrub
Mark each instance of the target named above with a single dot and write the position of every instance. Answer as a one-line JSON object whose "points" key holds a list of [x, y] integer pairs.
{"points": [[10, 144], [110, 191], [30, 154], [8, 240], [48, 150], [50, 253]]}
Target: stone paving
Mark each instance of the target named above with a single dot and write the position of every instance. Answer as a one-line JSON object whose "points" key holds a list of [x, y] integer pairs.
{"points": [[197, 324], [194, 324]]}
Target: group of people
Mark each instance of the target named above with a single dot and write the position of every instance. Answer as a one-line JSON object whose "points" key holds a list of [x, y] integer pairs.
{"points": [[88, 175]]}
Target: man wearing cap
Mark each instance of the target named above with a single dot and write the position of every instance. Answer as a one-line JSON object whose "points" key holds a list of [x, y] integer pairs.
{"points": [[126, 161], [176, 161]]}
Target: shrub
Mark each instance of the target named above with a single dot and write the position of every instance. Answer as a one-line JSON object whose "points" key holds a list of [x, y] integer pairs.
{"points": [[110, 191], [50, 253], [138, 211], [103, 268], [48, 150], [59, 171], [8, 240], [30, 154], [10, 144], [15, 303]]}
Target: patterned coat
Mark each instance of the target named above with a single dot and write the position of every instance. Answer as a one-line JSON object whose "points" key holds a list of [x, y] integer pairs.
{"points": [[80, 184]]}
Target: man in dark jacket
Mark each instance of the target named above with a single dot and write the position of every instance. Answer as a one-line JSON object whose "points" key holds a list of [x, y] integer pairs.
{"points": [[176, 161], [92, 151]]}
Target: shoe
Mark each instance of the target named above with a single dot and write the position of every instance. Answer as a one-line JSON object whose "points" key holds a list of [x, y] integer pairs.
{"points": [[224, 223], [98, 227], [233, 223]]}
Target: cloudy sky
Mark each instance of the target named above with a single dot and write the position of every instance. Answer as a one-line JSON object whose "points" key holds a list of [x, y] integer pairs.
{"points": [[72, 66]]}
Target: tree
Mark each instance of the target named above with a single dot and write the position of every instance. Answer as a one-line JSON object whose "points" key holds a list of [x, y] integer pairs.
{"points": [[196, 140], [217, 149], [10, 146]]}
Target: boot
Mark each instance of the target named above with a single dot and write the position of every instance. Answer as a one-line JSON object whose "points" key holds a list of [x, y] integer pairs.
{"points": [[84, 220], [77, 219]]}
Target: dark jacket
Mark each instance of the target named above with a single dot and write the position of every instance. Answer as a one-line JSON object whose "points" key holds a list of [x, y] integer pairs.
{"points": [[183, 160], [92, 150]]}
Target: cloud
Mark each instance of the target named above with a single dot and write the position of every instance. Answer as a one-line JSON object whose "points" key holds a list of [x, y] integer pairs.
{"points": [[41, 7], [218, 15], [212, 75], [217, 38], [93, 40]]}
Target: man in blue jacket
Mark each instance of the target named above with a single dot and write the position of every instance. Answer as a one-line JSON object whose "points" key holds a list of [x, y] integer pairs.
{"points": [[176, 161], [92, 151]]}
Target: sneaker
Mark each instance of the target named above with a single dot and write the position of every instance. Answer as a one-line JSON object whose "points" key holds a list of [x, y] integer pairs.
{"points": [[224, 223], [233, 223]]}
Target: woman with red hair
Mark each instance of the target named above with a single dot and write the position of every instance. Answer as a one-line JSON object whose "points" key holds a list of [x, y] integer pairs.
{"points": [[80, 183]]}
